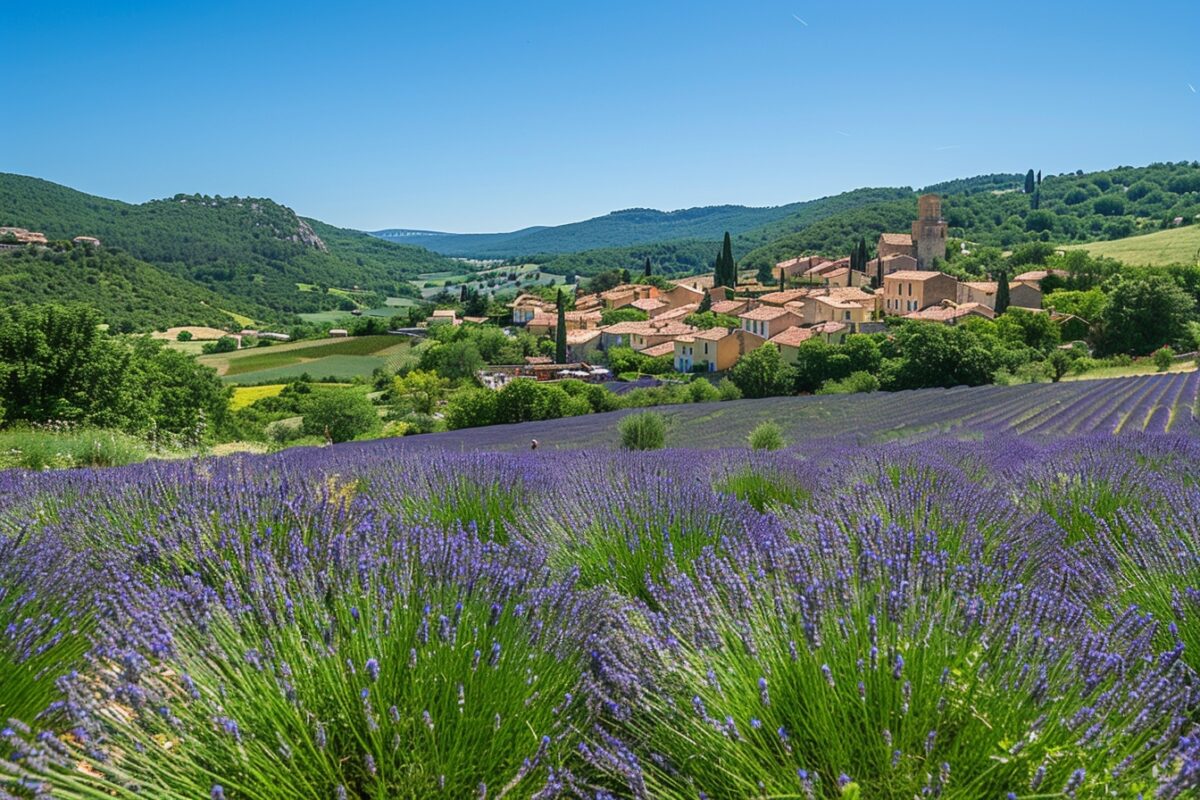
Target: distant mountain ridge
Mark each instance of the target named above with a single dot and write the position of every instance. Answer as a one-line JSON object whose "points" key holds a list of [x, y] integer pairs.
{"points": [[631, 226]]}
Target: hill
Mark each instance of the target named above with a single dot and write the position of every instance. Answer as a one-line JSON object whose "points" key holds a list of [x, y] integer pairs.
{"points": [[131, 294], [638, 226], [1172, 246], [250, 252]]}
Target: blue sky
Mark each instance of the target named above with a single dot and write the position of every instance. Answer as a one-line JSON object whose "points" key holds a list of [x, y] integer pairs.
{"points": [[471, 116]]}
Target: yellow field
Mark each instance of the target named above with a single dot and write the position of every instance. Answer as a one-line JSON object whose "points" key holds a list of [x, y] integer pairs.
{"points": [[1172, 246], [247, 395]]}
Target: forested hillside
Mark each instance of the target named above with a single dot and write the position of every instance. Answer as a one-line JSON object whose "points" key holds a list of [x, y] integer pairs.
{"points": [[245, 250], [989, 209], [638, 227], [1074, 207], [130, 295]]}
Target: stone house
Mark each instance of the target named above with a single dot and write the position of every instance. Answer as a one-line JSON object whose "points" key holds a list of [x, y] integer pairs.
{"points": [[907, 291], [715, 350], [766, 321], [1020, 294]]}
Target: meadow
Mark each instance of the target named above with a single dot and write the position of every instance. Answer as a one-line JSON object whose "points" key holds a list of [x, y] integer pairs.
{"points": [[1016, 616], [342, 358], [1158, 249]]}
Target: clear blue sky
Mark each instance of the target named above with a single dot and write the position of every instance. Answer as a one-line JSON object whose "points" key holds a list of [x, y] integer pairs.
{"points": [[467, 116]]}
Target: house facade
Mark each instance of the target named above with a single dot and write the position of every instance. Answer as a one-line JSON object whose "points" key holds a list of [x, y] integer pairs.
{"points": [[907, 291], [766, 321], [714, 350], [1020, 294]]}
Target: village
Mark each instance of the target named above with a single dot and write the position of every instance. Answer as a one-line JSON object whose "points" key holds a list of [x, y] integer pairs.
{"points": [[812, 298]]}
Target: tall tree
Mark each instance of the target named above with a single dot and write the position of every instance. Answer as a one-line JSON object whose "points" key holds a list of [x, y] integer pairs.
{"points": [[727, 267], [1036, 202], [1030, 182], [1001, 292], [560, 331], [705, 303], [782, 282], [625, 276], [1039, 178], [647, 271]]}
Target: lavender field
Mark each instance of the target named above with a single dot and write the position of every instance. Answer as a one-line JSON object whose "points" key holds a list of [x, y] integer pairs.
{"points": [[1000, 599], [1153, 404]]}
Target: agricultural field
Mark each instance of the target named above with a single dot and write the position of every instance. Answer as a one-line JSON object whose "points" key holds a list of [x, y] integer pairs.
{"points": [[1153, 403], [342, 359], [1171, 246], [527, 276], [991, 616]]}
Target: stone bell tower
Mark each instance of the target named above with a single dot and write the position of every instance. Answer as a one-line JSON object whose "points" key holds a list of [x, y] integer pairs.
{"points": [[929, 231]]}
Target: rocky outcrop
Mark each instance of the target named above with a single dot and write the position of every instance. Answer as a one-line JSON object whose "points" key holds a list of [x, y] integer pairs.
{"points": [[306, 235]]}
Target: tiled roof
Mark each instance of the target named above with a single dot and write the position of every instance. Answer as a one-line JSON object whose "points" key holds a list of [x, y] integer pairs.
{"points": [[912, 275], [793, 336], [896, 238], [948, 313], [781, 298], [681, 312], [648, 304], [664, 349], [1040, 275], [654, 327], [728, 306], [765, 313], [582, 337], [696, 281]]}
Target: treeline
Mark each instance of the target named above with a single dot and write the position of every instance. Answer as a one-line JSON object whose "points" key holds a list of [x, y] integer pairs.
{"points": [[57, 365]]}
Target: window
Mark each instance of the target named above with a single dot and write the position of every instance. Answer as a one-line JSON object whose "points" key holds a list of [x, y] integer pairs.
{"points": [[910, 290]]}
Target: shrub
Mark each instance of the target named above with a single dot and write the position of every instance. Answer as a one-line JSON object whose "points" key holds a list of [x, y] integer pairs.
{"points": [[1162, 358], [701, 391], [853, 383], [766, 436], [340, 414], [729, 390], [646, 430], [184, 336]]}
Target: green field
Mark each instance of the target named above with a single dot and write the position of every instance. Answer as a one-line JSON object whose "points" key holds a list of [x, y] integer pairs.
{"points": [[1173, 246], [342, 358]]}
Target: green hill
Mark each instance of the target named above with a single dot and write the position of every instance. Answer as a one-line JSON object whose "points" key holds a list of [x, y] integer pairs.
{"points": [[131, 294], [1172, 246], [250, 252], [639, 227]]}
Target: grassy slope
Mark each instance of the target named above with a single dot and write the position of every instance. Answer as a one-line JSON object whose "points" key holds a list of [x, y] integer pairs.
{"points": [[1172, 246]]}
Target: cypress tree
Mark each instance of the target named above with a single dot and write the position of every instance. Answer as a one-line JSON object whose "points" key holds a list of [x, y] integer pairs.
{"points": [[1001, 292], [706, 303], [1030, 182], [647, 271], [1037, 200], [782, 283], [1039, 178], [560, 332], [625, 276], [729, 266]]}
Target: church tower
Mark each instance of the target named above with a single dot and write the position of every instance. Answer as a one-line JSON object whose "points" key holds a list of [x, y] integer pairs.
{"points": [[929, 231]]}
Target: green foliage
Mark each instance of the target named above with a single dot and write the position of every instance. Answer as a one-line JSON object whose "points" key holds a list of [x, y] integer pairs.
{"points": [[471, 408], [852, 384], [766, 436], [728, 389], [185, 336], [645, 430], [420, 391], [612, 316], [130, 294], [930, 354], [1143, 313], [57, 365], [701, 391], [1087, 304], [706, 320], [1163, 357], [226, 344], [1002, 298], [339, 414], [560, 330], [39, 448], [762, 373]]}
